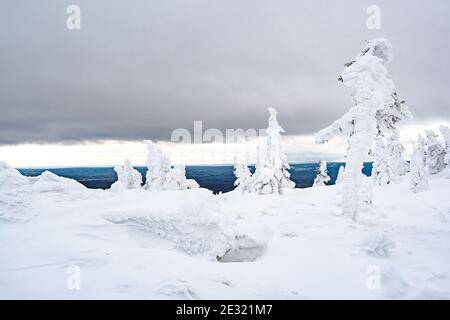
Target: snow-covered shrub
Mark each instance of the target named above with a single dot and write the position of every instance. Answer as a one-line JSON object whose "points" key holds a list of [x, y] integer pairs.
{"points": [[418, 180], [158, 165], [176, 179], [375, 105], [340, 175], [435, 153], [243, 178], [271, 174], [395, 150], [161, 176], [127, 177], [445, 131], [382, 171], [322, 175]]}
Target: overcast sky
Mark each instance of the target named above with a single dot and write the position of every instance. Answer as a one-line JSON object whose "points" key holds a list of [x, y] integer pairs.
{"points": [[139, 69]]}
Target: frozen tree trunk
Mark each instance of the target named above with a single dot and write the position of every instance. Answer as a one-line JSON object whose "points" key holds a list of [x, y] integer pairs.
{"points": [[359, 145]]}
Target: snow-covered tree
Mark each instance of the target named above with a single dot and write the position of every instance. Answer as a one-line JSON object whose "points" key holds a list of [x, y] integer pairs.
{"points": [[435, 154], [176, 179], [445, 131], [382, 171], [158, 165], [340, 175], [161, 175], [418, 180], [322, 175], [372, 93], [395, 150], [127, 177], [271, 174], [243, 176]]}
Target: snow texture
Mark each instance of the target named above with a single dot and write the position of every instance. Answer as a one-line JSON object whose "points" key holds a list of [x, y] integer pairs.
{"points": [[192, 244]]}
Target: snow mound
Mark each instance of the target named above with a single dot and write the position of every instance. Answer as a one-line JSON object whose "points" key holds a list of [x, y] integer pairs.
{"points": [[14, 194], [194, 227], [245, 249], [10, 178], [49, 182]]}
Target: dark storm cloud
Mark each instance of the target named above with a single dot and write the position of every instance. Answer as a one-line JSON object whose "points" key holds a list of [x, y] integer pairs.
{"points": [[139, 69]]}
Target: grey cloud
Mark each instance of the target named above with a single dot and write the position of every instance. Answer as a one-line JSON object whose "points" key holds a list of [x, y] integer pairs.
{"points": [[139, 69]]}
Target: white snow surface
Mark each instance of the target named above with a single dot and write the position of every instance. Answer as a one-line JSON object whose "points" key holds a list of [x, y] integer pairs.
{"points": [[164, 245]]}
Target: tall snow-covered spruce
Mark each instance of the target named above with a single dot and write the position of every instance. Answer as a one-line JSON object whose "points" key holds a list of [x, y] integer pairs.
{"points": [[376, 108], [127, 177], [418, 180], [322, 175], [271, 174]]}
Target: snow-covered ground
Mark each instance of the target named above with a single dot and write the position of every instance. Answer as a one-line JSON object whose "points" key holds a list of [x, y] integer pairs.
{"points": [[193, 244]]}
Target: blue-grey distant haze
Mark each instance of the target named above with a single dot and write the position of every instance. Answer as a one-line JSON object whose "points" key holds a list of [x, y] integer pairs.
{"points": [[139, 69]]}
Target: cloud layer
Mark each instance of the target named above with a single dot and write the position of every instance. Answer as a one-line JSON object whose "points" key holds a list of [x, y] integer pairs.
{"points": [[139, 69]]}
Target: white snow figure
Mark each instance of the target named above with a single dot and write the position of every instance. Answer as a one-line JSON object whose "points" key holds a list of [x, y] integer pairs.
{"points": [[445, 131], [271, 174], [395, 150], [382, 171], [340, 174], [435, 153], [243, 178], [372, 91], [127, 177], [176, 179], [418, 180], [158, 165], [322, 175]]}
